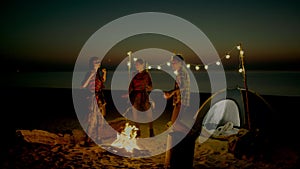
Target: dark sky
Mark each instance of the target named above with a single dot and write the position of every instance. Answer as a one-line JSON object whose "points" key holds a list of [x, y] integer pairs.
{"points": [[48, 36]]}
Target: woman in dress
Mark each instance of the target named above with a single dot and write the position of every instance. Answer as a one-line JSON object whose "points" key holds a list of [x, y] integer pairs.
{"points": [[94, 83]]}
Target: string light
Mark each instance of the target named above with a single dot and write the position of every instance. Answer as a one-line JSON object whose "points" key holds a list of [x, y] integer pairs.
{"points": [[197, 67], [227, 56], [206, 67]]}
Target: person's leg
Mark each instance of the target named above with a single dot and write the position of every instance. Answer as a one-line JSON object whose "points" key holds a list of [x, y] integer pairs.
{"points": [[150, 118], [135, 118]]}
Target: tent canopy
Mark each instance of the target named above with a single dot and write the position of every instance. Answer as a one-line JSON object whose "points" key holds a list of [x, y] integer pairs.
{"points": [[229, 105]]}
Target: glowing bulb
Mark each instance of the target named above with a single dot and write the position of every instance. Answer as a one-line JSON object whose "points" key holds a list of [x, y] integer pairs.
{"points": [[242, 53], [134, 59], [188, 65], [227, 56], [197, 67], [206, 67], [158, 67], [149, 67], [168, 63], [176, 72], [129, 53], [128, 64], [238, 47], [218, 63], [240, 70]]}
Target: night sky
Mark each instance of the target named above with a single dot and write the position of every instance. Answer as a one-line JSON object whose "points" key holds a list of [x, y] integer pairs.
{"points": [[48, 36]]}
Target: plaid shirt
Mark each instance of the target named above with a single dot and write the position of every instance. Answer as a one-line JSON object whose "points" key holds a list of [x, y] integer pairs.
{"points": [[182, 88]]}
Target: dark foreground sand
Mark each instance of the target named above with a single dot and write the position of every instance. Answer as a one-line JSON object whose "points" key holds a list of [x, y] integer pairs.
{"points": [[51, 111], [67, 151]]}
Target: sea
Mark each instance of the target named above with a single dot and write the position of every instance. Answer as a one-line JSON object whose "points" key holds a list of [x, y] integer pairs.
{"points": [[276, 83]]}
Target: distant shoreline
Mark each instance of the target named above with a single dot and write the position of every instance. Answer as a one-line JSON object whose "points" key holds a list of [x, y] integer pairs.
{"points": [[277, 83]]}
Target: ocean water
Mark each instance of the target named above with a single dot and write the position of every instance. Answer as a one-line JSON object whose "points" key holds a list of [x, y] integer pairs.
{"points": [[281, 83]]}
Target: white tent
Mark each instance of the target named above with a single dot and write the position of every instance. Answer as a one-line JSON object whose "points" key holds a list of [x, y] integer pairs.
{"points": [[229, 113]]}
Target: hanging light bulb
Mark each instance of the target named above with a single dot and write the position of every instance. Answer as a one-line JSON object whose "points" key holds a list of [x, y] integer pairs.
{"points": [[218, 63], [240, 70], [227, 56], [197, 67], [149, 67], [241, 53], [129, 53], [206, 67], [134, 59], [176, 72], [159, 67], [238, 47], [188, 65], [168, 63], [128, 64]]}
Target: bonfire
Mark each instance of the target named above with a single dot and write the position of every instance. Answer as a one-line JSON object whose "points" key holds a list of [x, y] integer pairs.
{"points": [[127, 138]]}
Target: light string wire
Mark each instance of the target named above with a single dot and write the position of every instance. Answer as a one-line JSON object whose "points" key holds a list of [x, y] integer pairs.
{"points": [[196, 66]]}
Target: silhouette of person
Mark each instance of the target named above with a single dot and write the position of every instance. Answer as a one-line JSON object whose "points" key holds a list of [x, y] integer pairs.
{"points": [[139, 90], [181, 91], [94, 83], [181, 101]]}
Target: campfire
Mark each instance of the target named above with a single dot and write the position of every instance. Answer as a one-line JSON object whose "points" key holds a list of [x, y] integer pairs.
{"points": [[127, 138]]}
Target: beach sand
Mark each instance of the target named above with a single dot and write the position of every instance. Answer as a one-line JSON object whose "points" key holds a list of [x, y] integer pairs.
{"points": [[51, 111]]}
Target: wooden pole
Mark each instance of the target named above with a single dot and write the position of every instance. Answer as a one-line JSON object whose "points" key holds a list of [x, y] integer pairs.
{"points": [[129, 66], [168, 151], [245, 85]]}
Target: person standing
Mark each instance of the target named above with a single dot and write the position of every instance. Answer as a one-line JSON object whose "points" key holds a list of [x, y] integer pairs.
{"points": [[181, 91], [94, 83], [178, 124], [139, 90]]}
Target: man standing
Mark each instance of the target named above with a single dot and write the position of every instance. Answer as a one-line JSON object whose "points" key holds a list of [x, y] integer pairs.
{"points": [[181, 155], [181, 91]]}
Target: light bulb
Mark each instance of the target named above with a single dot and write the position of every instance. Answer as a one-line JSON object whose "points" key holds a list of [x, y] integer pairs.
{"points": [[242, 53]]}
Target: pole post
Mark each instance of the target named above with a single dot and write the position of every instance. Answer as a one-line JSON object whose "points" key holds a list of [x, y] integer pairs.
{"points": [[129, 65], [242, 59]]}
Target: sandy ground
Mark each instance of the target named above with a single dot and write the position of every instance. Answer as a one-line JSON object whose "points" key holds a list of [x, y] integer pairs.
{"points": [[62, 150]]}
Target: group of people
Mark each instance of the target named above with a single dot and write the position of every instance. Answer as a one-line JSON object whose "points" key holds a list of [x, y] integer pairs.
{"points": [[139, 90]]}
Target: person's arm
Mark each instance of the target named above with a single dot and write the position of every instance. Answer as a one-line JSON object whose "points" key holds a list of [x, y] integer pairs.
{"points": [[85, 84], [170, 93], [104, 75]]}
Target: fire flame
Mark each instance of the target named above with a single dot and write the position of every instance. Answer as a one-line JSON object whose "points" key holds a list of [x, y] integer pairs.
{"points": [[127, 139]]}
